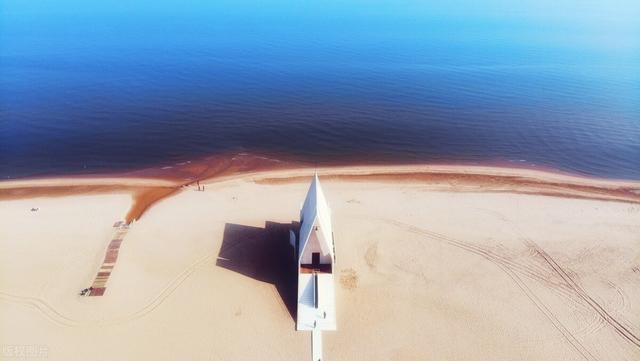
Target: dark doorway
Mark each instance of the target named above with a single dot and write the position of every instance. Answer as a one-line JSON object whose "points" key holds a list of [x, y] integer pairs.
{"points": [[315, 259]]}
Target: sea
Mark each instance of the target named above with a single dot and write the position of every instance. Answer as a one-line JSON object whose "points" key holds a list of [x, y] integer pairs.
{"points": [[100, 87]]}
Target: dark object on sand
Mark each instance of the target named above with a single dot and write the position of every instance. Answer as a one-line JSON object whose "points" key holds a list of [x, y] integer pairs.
{"points": [[86, 291]]}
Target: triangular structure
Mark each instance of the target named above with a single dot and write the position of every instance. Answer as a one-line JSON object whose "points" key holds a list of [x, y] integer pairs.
{"points": [[315, 253], [315, 218]]}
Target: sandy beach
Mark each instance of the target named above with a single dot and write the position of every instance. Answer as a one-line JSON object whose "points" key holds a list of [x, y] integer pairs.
{"points": [[434, 262]]}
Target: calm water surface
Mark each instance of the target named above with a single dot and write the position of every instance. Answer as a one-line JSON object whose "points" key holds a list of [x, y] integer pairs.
{"points": [[97, 90]]}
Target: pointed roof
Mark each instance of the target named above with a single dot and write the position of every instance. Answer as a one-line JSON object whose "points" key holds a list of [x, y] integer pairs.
{"points": [[315, 210]]}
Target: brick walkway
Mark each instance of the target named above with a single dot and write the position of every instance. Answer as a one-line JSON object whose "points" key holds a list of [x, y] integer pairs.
{"points": [[100, 282]]}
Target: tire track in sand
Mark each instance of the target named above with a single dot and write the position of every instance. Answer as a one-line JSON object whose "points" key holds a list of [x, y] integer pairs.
{"points": [[511, 270], [622, 330], [55, 316]]}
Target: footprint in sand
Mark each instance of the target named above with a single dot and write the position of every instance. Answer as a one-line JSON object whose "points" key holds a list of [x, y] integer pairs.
{"points": [[371, 256], [349, 279]]}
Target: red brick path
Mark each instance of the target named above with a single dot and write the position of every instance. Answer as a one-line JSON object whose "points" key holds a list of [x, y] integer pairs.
{"points": [[100, 282]]}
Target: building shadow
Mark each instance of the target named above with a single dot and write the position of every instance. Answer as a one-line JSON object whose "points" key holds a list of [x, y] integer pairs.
{"points": [[263, 254]]}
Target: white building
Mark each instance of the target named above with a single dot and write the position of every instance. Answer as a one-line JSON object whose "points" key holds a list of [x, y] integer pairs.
{"points": [[315, 253]]}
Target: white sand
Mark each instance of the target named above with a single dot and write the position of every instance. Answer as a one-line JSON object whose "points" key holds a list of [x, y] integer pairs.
{"points": [[424, 273]]}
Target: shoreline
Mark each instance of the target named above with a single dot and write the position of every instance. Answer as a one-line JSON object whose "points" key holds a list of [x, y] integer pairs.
{"points": [[150, 185], [225, 164], [533, 269]]}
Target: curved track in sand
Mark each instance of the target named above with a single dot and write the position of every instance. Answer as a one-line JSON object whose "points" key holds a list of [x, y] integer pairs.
{"points": [[513, 269], [57, 317]]}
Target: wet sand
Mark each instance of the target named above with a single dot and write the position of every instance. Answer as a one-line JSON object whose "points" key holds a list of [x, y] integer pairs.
{"points": [[150, 185], [451, 262]]}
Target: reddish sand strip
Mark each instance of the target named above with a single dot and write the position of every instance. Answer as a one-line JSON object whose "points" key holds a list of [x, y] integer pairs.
{"points": [[521, 182], [99, 285], [147, 186], [151, 185]]}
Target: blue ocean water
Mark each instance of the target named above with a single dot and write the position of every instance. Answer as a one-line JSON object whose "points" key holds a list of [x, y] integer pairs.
{"points": [[109, 87]]}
